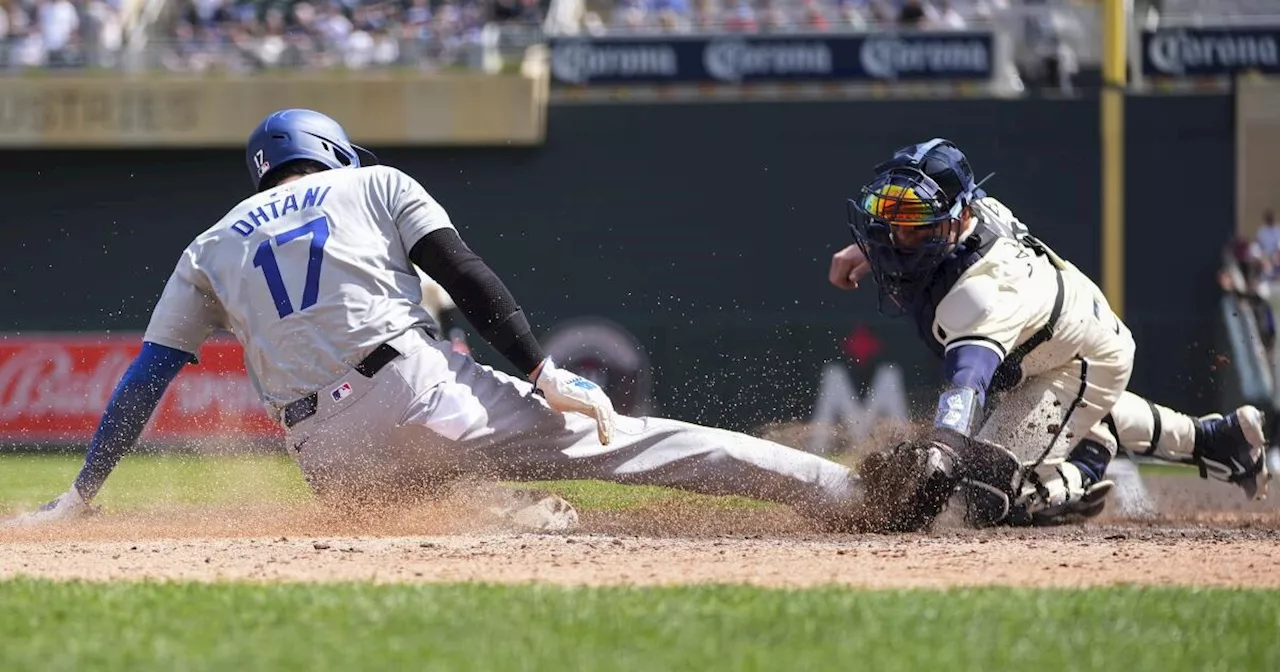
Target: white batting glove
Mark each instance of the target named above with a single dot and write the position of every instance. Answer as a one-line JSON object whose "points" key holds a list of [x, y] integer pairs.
{"points": [[567, 392], [67, 506]]}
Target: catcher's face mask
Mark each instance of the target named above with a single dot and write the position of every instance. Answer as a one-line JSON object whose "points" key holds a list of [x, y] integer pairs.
{"points": [[909, 219], [906, 226]]}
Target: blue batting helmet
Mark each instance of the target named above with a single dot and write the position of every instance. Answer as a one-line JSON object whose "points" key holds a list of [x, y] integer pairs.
{"points": [[294, 135], [907, 219]]}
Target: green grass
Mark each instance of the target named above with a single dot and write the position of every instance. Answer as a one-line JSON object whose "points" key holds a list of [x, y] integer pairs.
{"points": [[142, 481], [1167, 470], [149, 480], [30, 479], [77, 626]]}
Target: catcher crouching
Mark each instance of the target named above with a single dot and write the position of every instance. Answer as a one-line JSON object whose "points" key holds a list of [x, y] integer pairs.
{"points": [[1035, 362]]}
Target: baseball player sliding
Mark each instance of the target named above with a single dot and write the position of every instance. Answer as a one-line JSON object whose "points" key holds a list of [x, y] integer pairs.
{"points": [[1035, 361], [315, 276]]}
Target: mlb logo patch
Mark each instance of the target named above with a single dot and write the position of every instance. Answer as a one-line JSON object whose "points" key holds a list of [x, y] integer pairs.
{"points": [[262, 163], [341, 392]]}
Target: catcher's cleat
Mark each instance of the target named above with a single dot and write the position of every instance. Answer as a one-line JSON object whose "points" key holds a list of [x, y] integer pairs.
{"points": [[1090, 505], [1094, 500], [1233, 449]]}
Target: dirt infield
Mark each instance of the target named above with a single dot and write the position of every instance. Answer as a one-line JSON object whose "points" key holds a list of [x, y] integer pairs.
{"points": [[1207, 535]]}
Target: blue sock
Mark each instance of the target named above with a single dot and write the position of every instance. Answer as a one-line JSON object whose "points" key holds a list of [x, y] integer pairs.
{"points": [[1091, 458]]}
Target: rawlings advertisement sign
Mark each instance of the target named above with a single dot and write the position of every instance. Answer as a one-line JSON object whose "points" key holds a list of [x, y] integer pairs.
{"points": [[54, 388]]}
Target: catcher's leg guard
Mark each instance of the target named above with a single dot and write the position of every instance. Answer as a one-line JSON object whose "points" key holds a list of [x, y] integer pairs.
{"points": [[1056, 494], [1230, 448], [1066, 492], [1050, 494]]}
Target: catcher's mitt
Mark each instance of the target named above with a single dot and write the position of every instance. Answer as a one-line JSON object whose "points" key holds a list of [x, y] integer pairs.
{"points": [[907, 486]]}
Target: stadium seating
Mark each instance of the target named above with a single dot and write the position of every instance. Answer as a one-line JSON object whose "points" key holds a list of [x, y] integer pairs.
{"points": [[236, 35], [62, 33], [1052, 38]]}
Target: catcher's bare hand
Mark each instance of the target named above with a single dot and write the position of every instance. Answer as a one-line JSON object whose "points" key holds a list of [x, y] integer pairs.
{"points": [[848, 267]]}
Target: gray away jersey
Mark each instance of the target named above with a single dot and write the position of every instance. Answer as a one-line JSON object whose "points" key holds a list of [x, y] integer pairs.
{"points": [[309, 277]]}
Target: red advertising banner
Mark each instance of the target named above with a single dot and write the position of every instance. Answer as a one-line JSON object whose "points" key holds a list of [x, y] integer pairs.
{"points": [[54, 388]]}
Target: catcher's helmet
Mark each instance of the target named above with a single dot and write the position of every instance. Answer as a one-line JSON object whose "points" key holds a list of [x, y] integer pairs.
{"points": [[297, 134], [907, 219]]}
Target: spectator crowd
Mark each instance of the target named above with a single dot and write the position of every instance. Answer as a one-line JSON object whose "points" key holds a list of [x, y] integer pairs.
{"points": [[60, 33], [1253, 274], [355, 34], [245, 35], [674, 16], [235, 35], [198, 35], [249, 34]]}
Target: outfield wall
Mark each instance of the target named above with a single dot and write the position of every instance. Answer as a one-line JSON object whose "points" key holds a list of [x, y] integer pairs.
{"points": [[703, 229]]}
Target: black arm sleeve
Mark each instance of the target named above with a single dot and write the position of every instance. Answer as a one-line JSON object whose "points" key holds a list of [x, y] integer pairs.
{"points": [[480, 295]]}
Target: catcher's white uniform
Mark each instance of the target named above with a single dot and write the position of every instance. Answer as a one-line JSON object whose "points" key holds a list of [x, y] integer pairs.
{"points": [[1059, 392], [1054, 332], [1036, 361]]}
